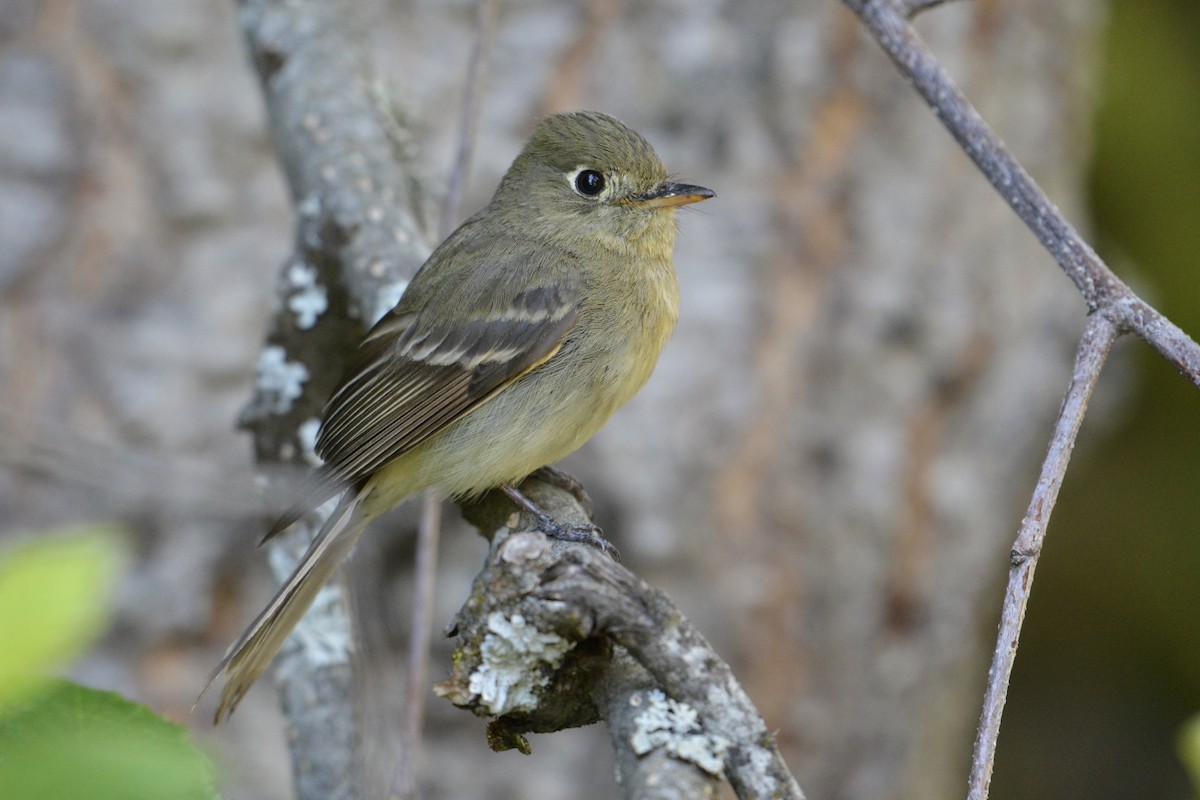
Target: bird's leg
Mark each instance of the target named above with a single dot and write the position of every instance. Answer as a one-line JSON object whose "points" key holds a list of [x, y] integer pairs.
{"points": [[556, 477], [585, 534]]}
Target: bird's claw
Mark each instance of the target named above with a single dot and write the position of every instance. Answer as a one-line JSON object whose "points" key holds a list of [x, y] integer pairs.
{"points": [[584, 534]]}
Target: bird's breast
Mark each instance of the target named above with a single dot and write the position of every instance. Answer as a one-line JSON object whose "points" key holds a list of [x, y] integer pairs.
{"points": [[628, 335]]}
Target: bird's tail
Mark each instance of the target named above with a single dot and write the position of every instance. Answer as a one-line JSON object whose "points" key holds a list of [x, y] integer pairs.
{"points": [[251, 654]]}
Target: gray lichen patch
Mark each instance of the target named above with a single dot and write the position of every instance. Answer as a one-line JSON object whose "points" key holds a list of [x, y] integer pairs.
{"points": [[280, 382], [514, 654], [675, 727], [307, 299]]}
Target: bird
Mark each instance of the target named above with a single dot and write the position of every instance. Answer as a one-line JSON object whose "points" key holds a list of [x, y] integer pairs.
{"points": [[513, 344]]}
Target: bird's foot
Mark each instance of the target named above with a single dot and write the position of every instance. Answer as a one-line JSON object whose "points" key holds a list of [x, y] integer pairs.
{"points": [[584, 534], [565, 532]]}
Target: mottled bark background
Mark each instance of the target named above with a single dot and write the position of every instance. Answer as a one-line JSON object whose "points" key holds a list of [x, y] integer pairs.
{"points": [[826, 471]]}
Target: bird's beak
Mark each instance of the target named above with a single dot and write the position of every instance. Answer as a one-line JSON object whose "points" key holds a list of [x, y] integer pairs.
{"points": [[669, 195]]}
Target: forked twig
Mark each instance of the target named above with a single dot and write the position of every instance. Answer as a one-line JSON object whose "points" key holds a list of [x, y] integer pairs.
{"points": [[1114, 308]]}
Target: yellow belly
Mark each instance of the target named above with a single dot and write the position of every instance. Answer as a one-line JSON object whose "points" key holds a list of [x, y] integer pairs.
{"points": [[542, 416]]}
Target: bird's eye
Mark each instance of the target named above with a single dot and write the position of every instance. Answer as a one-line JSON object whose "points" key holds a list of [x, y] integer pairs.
{"points": [[589, 183]]}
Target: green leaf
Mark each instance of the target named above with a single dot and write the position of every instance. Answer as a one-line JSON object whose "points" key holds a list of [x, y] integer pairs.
{"points": [[55, 597], [74, 743]]}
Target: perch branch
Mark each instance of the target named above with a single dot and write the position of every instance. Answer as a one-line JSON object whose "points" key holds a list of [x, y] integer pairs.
{"points": [[1097, 339], [538, 634], [624, 694]]}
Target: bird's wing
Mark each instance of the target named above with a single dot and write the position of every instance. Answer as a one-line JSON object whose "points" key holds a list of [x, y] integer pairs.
{"points": [[413, 377]]}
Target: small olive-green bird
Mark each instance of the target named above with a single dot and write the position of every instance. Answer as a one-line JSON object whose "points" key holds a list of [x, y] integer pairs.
{"points": [[518, 338]]}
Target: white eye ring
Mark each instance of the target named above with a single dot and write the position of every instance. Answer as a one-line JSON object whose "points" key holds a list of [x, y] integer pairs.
{"points": [[588, 182]]}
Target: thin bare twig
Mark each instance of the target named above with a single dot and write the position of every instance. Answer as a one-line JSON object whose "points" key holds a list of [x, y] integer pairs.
{"points": [[404, 782], [574, 602], [1094, 346], [485, 27], [914, 7]]}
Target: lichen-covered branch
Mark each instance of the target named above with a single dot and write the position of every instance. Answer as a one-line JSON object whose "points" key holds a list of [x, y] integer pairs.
{"points": [[359, 237], [541, 630], [648, 735]]}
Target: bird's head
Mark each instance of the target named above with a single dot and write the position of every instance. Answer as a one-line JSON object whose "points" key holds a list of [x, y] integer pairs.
{"points": [[586, 177]]}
